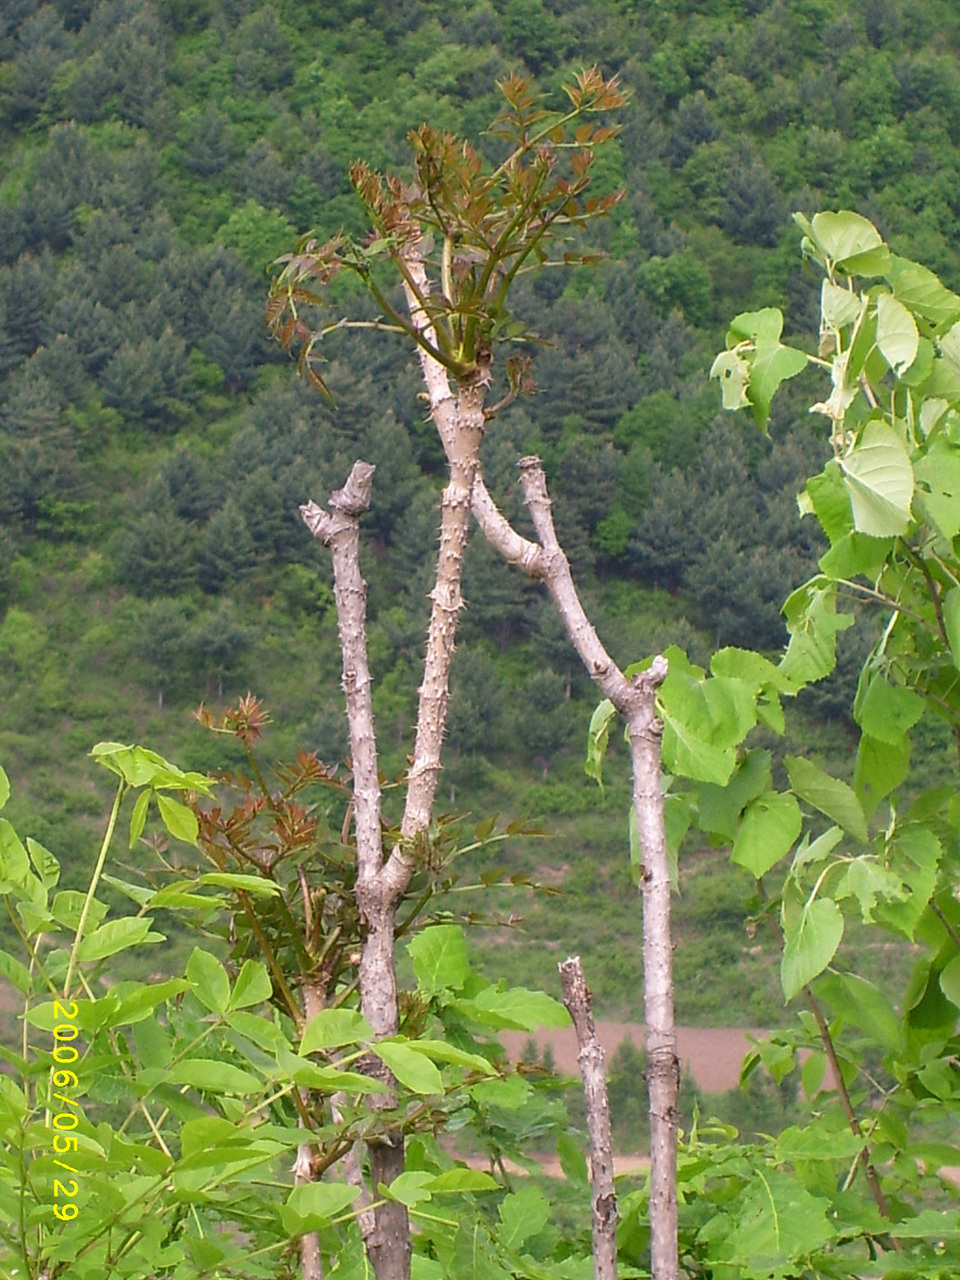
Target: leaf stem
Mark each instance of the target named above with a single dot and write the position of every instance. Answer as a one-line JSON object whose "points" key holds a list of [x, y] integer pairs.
{"points": [[97, 871]]}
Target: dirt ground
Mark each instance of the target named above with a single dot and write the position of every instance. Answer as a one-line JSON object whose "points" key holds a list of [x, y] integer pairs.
{"points": [[712, 1055]]}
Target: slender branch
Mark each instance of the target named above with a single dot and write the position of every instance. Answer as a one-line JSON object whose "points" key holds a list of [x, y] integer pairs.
{"points": [[95, 880], [636, 700], [579, 1003]]}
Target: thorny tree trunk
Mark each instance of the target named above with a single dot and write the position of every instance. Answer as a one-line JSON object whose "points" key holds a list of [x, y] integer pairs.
{"points": [[381, 884], [577, 998], [635, 700]]}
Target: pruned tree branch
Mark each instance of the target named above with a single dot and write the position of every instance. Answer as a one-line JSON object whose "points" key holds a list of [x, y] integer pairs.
{"points": [[579, 1003], [635, 699]]}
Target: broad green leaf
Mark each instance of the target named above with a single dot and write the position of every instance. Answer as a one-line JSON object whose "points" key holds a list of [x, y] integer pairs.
{"points": [[817, 1141], [412, 1069], [140, 1004], [13, 856], [879, 479], [180, 821], [117, 935], [315, 1205], [460, 1179], [209, 979], [921, 291], [573, 1163], [951, 622], [597, 737], [831, 502], [950, 981], [769, 826], [813, 623], [863, 1005], [778, 1222], [856, 555], [17, 974], [677, 819], [475, 1255], [886, 711], [523, 1009], [140, 893], [4, 788], [844, 235], [811, 945], [838, 307], [440, 961], [513, 1093], [938, 486], [143, 768], [311, 1075], [252, 986], [831, 796], [409, 1188], [138, 818], [213, 1076], [750, 668], [897, 335], [913, 855], [809, 854], [522, 1214], [46, 865], [231, 880], [331, 1028], [441, 1051], [264, 1033], [867, 881], [720, 807], [733, 373], [770, 366], [686, 754], [764, 326], [880, 768]]}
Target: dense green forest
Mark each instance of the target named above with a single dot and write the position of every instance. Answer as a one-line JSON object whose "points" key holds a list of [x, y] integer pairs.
{"points": [[154, 445]]}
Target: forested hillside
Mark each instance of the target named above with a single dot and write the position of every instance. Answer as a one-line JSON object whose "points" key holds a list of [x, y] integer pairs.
{"points": [[155, 157]]}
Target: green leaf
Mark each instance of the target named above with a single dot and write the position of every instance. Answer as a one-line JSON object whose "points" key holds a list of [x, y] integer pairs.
{"points": [[769, 826], [209, 979], [138, 818], [117, 935], [808, 854], [750, 668], [914, 855], [331, 1028], [17, 974], [829, 795], [856, 555], [250, 884], [690, 756], [142, 768], [938, 480], [46, 865], [778, 1223], [180, 821], [733, 373], [844, 235], [253, 986], [573, 1163], [315, 1205], [515, 1008], [213, 1076], [863, 1005], [813, 623], [523, 1214], [866, 880], [440, 961], [951, 623], [140, 1004], [880, 768], [811, 946], [921, 291], [510, 1094], [4, 788], [141, 894], [831, 502], [838, 307], [817, 1141], [412, 1069], [720, 807], [441, 1051], [459, 1180], [771, 366], [950, 981], [879, 479], [897, 335], [886, 711], [13, 856], [597, 736], [409, 1188], [764, 326]]}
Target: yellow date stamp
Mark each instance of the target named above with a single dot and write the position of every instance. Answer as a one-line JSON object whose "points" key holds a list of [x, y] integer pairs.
{"points": [[62, 1079]]}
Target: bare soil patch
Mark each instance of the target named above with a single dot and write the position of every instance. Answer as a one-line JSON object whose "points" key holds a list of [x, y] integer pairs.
{"points": [[711, 1055]]}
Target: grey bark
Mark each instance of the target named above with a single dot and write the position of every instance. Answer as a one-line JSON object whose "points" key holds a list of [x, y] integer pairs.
{"points": [[635, 699], [579, 1003]]}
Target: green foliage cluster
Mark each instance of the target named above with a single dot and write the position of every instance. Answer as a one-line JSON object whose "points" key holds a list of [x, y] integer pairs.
{"points": [[154, 156]]}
